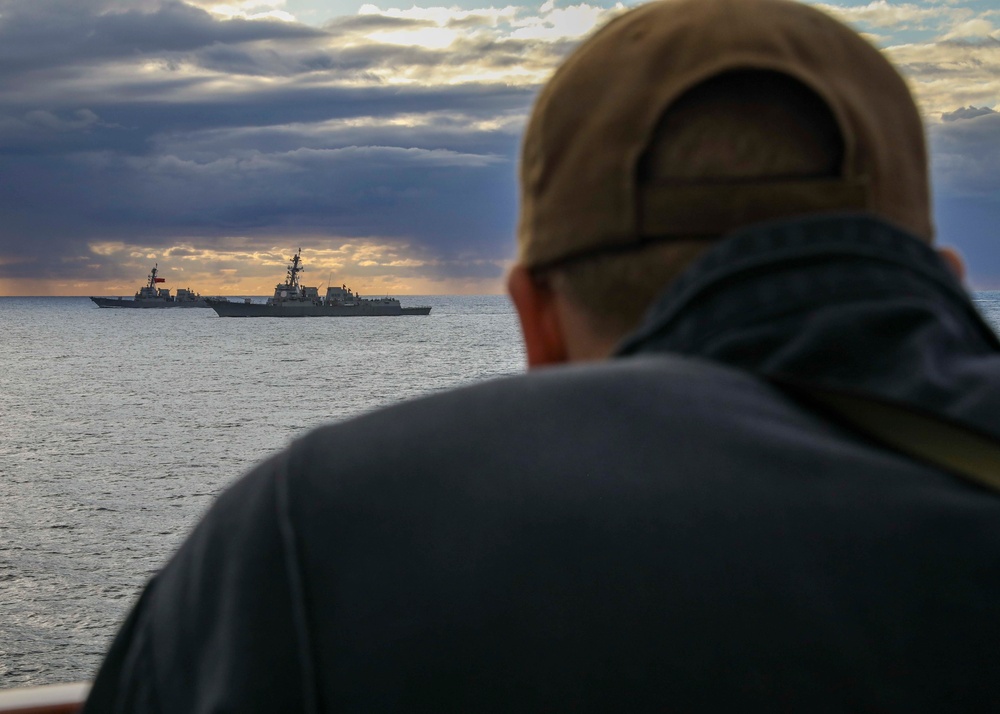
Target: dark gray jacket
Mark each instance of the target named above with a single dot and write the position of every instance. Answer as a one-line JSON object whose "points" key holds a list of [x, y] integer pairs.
{"points": [[662, 531]]}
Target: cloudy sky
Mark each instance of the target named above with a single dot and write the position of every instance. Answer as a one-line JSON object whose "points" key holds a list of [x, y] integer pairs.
{"points": [[215, 137]]}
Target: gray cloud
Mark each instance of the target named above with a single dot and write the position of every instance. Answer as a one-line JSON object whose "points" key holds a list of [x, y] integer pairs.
{"points": [[966, 113], [355, 23], [965, 153], [93, 150], [160, 126], [39, 34]]}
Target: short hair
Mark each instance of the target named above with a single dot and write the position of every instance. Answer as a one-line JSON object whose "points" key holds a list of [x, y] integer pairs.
{"points": [[739, 124]]}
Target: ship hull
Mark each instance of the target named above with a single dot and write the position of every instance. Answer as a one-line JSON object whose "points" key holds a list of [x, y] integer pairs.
{"points": [[146, 304], [242, 309]]}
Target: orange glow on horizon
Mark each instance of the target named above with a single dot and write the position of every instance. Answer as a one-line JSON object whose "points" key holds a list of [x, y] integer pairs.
{"points": [[369, 268], [366, 287]]}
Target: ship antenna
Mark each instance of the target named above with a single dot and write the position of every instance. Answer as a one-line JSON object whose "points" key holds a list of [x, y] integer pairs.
{"points": [[294, 269]]}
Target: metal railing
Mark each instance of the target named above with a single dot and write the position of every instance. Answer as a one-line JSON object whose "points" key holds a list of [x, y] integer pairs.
{"points": [[49, 699]]}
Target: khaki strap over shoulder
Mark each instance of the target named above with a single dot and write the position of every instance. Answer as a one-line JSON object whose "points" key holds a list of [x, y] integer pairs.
{"points": [[965, 452]]}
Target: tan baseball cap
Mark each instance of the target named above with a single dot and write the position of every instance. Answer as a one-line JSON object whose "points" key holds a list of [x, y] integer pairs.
{"points": [[595, 119]]}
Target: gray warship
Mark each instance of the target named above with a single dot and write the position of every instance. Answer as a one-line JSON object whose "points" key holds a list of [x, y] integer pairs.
{"points": [[151, 296], [292, 299]]}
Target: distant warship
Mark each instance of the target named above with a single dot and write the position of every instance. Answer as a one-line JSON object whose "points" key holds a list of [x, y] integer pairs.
{"points": [[291, 299], [152, 296]]}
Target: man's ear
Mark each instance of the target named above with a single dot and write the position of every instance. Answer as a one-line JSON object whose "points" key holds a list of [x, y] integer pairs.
{"points": [[954, 261], [544, 339]]}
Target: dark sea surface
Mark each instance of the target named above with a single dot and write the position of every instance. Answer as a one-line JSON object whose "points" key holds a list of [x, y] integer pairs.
{"points": [[118, 427]]}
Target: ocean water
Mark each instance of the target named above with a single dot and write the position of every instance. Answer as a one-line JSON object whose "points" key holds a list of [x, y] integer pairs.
{"points": [[118, 427]]}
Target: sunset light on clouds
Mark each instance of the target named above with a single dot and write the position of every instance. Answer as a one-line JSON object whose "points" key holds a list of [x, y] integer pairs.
{"points": [[216, 138]]}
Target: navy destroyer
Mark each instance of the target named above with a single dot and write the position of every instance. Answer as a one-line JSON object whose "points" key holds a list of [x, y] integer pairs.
{"points": [[292, 299], [152, 296]]}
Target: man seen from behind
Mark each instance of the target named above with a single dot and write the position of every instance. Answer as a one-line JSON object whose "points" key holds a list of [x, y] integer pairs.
{"points": [[725, 217]]}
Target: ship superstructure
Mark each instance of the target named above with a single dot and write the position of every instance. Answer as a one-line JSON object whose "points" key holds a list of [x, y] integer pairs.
{"points": [[151, 295], [292, 299]]}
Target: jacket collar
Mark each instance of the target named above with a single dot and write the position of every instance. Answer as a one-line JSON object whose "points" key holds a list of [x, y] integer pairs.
{"points": [[846, 301]]}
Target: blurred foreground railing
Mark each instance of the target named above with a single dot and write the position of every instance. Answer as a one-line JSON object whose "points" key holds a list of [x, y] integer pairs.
{"points": [[50, 699]]}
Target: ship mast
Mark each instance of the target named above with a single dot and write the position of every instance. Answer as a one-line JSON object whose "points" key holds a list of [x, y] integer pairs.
{"points": [[293, 271], [152, 277]]}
